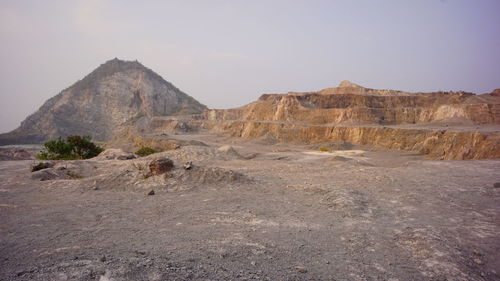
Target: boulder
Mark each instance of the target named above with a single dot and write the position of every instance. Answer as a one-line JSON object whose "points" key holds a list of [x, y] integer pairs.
{"points": [[41, 166], [49, 174], [160, 166]]}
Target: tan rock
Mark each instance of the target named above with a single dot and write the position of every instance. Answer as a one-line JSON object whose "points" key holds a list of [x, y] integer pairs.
{"points": [[442, 125]]}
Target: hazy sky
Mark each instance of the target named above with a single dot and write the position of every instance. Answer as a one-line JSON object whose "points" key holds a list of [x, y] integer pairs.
{"points": [[227, 53]]}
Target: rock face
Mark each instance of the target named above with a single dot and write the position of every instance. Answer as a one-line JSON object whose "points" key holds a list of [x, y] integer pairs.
{"points": [[435, 143], [352, 104], [442, 125], [117, 94]]}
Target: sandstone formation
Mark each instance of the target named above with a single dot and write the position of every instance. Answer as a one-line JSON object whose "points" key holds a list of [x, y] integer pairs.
{"points": [[115, 95], [436, 144], [352, 104], [442, 125]]}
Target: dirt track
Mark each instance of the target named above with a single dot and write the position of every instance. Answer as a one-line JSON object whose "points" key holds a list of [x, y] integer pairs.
{"points": [[301, 216]]}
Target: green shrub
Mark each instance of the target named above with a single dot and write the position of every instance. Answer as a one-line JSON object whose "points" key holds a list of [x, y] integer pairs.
{"points": [[145, 151], [73, 147], [324, 149]]}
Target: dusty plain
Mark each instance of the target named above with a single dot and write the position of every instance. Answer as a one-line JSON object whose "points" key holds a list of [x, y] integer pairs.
{"points": [[258, 210]]}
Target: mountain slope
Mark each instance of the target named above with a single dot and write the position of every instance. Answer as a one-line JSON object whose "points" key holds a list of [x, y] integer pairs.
{"points": [[115, 94]]}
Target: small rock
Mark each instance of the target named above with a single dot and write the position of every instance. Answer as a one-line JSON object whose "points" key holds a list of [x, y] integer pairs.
{"points": [[95, 188], [151, 192], [496, 185], [188, 165], [225, 148], [103, 258], [230, 151], [160, 166], [49, 174], [126, 157], [301, 269], [29, 270], [41, 166], [478, 261]]}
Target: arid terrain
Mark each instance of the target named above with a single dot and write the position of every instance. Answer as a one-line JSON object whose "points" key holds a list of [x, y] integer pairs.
{"points": [[249, 140], [345, 183], [252, 209]]}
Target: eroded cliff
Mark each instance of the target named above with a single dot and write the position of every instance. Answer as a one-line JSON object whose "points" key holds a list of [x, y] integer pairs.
{"points": [[357, 105], [442, 125]]}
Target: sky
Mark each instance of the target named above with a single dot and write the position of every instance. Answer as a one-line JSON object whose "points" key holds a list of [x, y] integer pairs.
{"points": [[227, 53]]}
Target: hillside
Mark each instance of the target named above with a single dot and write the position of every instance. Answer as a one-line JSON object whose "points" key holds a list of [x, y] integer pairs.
{"points": [[116, 94]]}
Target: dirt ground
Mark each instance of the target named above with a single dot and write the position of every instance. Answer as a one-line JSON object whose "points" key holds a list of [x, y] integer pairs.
{"points": [[258, 211]]}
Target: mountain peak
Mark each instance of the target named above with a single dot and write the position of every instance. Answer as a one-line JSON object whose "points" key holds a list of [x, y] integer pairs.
{"points": [[116, 65], [117, 61], [109, 68], [348, 84]]}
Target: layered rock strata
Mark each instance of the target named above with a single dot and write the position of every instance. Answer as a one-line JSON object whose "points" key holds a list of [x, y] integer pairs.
{"points": [[442, 125]]}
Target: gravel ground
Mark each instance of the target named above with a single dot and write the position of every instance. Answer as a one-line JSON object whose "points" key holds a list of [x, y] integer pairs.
{"points": [[291, 215]]}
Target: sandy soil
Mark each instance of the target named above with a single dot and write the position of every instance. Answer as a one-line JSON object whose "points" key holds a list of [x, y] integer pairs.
{"points": [[258, 212]]}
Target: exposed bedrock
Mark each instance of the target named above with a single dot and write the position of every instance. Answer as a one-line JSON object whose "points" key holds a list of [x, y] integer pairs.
{"points": [[442, 125], [315, 108], [436, 144]]}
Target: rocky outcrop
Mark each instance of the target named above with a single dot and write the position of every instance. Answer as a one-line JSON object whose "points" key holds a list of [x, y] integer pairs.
{"points": [[442, 125], [353, 104], [436, 144], [116, 94]]}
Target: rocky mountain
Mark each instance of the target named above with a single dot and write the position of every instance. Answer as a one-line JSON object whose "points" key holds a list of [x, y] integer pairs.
{"points": [[116, 94]]}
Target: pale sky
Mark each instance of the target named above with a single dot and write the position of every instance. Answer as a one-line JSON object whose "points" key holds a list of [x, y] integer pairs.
{"points": [[227, 53]]}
